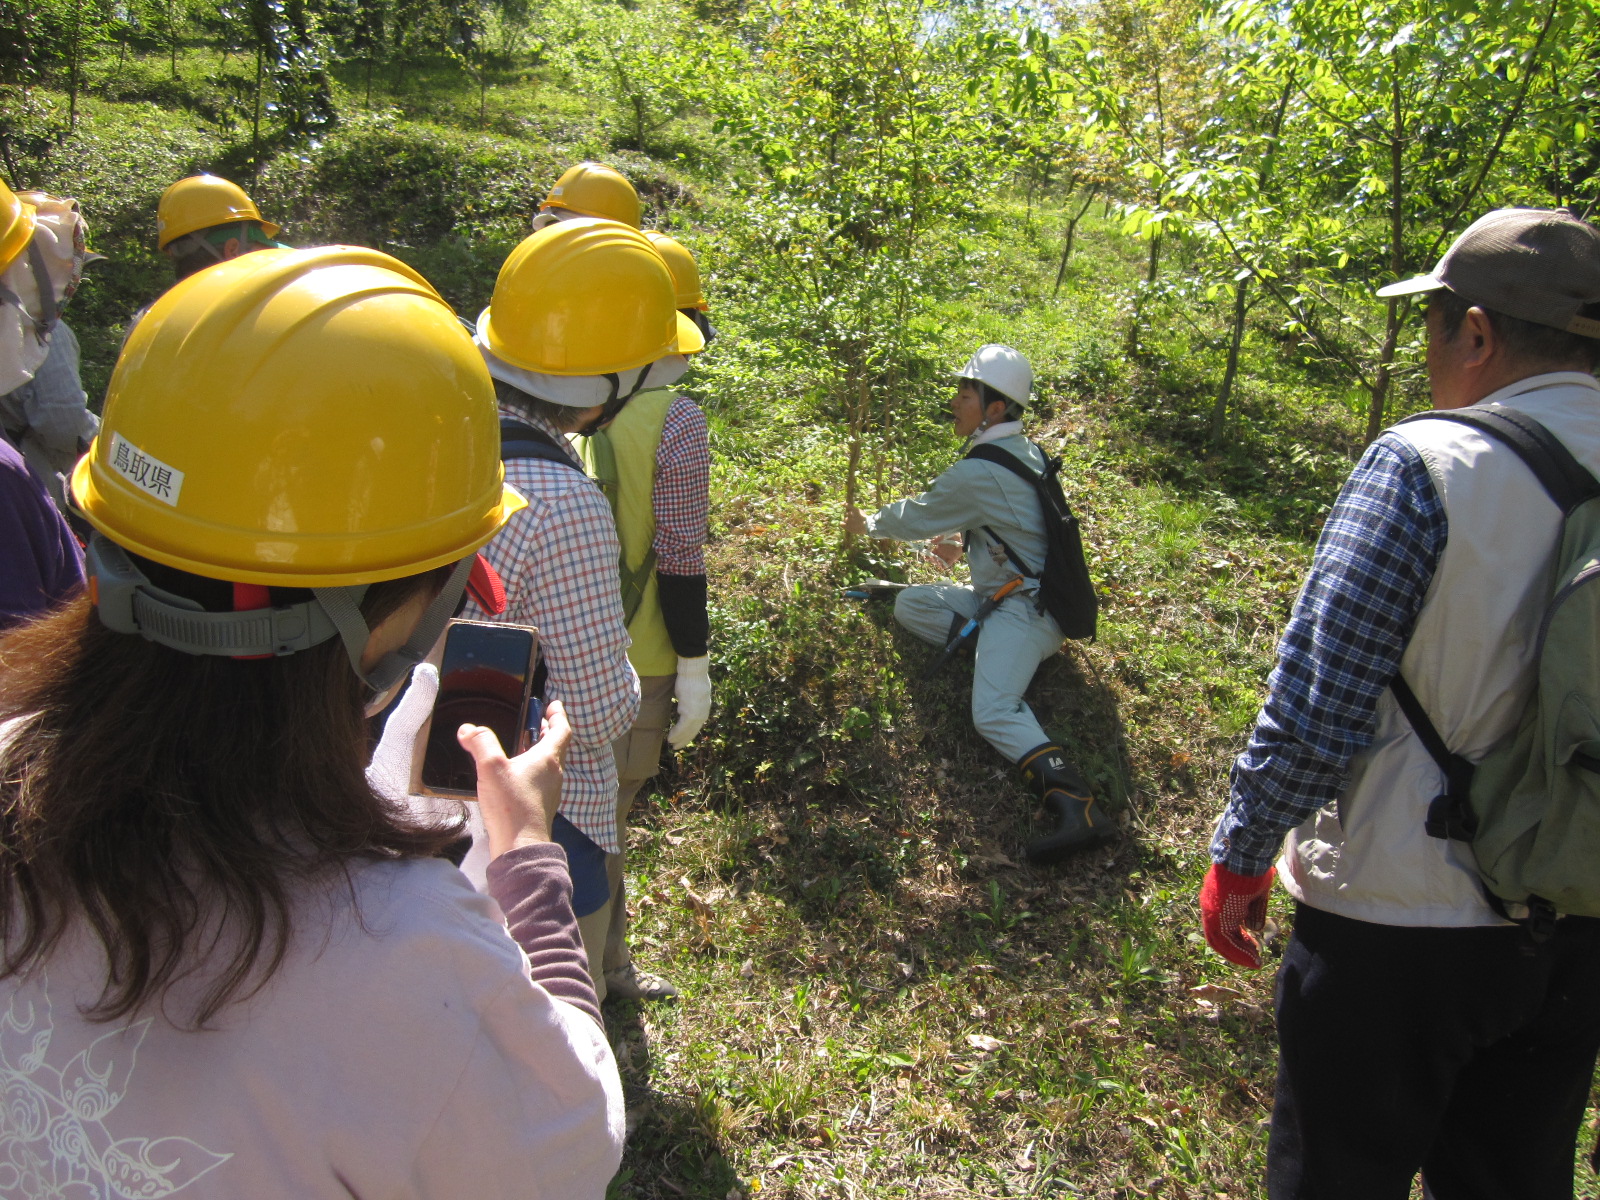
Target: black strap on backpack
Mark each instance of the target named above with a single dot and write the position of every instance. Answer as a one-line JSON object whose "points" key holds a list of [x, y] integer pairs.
{"points": [[993, 454], [1068, 593], [524, 441], [1568, 484]]}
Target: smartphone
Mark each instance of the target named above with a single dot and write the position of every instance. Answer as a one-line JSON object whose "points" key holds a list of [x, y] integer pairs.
{"points": [[485, 677]]}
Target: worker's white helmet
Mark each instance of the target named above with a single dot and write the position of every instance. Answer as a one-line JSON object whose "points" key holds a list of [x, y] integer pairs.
{"points": [[1003, 369]]}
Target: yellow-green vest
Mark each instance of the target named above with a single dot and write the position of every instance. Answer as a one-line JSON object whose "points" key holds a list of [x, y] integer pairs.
{"points": [[622, 460]]}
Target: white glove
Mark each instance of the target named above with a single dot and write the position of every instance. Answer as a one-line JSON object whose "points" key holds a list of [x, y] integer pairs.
{"points": [[389, 772], [692, 691]]}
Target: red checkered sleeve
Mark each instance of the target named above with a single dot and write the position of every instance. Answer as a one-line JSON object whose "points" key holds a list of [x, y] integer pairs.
{"points": [[682, 495], [558, 558]]}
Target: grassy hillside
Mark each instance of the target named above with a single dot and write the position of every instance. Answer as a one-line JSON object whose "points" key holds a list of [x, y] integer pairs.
{"points": [[880, 998]]}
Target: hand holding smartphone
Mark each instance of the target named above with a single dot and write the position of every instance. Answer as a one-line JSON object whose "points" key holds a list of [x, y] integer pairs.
{"points": [[518, 797], [485, 678]]}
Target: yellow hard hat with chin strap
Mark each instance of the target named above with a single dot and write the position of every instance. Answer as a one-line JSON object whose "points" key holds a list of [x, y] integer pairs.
{"points": [[585, 297], [593, 189], [201, 201], [292, 418]]}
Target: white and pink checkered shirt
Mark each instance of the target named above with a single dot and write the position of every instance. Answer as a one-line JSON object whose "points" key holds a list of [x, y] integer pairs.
{"points": [[558, 558], [682, 493]]}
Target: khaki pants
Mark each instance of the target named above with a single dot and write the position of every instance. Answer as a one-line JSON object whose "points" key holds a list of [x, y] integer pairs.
{"points": [[638, 754]]}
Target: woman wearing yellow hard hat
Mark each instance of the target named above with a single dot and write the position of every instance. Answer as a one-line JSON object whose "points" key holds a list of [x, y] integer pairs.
{"points": [[653, 460], [583, 319], [212, 922]]}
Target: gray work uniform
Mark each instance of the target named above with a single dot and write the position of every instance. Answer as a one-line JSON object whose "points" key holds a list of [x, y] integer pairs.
{"points": [[1016, 637], [48, 418]]}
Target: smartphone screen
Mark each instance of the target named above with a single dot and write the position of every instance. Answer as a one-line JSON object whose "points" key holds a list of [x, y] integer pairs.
{"points": [[483, 680]]}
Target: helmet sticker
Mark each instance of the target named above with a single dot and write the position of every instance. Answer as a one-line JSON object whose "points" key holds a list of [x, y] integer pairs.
{"points": [[143, 471]]}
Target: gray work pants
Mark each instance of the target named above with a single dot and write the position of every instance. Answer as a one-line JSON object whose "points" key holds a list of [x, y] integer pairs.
{"points": [[1013, 641], [638, 754]]}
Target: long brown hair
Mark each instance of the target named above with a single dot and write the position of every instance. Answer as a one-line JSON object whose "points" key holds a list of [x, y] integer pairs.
{"points": [[173, 802]]}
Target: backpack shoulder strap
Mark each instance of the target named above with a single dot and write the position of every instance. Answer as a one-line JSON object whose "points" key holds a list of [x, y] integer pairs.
{"points": [[990, 453], [524, 441], [1568, 484], [1564, 478]]}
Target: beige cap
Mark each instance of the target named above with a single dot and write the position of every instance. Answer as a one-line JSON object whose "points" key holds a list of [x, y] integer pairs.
{"points": [[1535, 264]]}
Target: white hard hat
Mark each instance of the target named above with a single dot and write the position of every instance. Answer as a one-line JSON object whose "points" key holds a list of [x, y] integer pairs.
{"points": [[1003, 369]]}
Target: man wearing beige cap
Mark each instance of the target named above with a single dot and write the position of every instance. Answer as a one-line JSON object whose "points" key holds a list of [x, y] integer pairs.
{"points": [[1419, 1029]]}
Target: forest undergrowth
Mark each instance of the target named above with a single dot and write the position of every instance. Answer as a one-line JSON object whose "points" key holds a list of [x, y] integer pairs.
{"points": [[880, 998]]}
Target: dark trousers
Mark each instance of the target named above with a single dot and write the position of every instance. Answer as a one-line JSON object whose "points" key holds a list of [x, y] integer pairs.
{"points": [[1466, 1054]]}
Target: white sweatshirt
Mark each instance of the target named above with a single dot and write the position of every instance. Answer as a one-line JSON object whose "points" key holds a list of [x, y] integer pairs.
{"points": [[406, 1053]]}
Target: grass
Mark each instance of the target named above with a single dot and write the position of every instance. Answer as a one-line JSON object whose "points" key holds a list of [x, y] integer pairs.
{"points": [[880, 998]]}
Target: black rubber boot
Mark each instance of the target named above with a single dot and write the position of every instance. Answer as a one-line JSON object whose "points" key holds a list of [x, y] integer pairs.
{"points": [[1081, 824]]}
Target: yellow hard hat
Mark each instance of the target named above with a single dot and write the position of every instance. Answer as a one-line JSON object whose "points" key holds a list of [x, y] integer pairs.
{"points": [[585, 297], [299, 418], [685, 274], [16, 225], [595, 190], [201, 201]]}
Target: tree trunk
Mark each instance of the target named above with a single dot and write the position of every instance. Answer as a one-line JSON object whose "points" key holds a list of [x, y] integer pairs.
{"points": [[369, 80], [1136, 322], [75, 55], [1066, 250], [5, 157], [1219, 408], [858, 420], [1397, 263], [255, 117], [1241, 290], [1380, 381]]}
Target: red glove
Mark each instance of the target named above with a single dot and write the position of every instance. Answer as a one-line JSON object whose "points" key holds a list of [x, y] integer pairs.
{"points": [[1231, 904]]}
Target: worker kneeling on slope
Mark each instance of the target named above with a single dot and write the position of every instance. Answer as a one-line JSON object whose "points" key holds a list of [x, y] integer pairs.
{"points": [[993, 496]]}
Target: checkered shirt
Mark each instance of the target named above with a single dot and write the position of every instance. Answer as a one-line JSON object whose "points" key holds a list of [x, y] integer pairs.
{"points": [[558, 558], [1349, 629], [682, 494]]}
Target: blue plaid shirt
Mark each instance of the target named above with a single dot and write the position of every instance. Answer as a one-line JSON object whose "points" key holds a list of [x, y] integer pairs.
{"points": [[1369, 575]]}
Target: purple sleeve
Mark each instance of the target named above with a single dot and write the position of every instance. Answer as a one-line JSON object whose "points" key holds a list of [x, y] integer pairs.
{"points": [[40, 563], [533, 889]]}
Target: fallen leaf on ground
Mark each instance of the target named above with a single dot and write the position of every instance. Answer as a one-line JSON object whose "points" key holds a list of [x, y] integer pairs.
{"points": [[982, 1041], [1214, 992], [993, 858]]}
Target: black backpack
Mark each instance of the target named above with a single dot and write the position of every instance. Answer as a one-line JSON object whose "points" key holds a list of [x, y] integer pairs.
{"points": [[1065, 590]]}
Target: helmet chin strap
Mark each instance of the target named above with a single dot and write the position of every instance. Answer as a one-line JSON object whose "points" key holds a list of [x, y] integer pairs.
{"points": [[342, 610], [614, 402]]}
